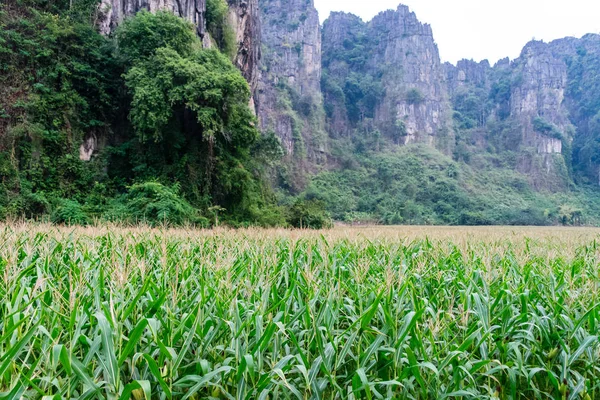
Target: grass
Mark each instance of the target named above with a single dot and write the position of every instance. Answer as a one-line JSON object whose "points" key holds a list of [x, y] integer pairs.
{"points": [[350, 313]]}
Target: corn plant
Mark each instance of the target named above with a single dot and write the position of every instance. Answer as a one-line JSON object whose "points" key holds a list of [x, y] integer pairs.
{"points": [[145, 314]]}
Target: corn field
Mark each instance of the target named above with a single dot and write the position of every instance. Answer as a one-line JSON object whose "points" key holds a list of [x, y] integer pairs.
{"points": [[99, 313]]}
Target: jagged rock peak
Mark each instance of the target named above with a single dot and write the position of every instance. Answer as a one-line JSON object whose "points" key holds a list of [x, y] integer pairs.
{"points": [[406, 20], [399, 53]]}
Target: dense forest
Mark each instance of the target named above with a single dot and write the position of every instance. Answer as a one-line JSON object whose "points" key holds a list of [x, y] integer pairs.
{"points": [[149, 124], [182, 143]]}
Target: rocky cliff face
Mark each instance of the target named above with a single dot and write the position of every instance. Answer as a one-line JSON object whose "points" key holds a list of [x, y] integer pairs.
{"points": [[385, 77], [540, 82], [415, 89], [404, 93], [537, 103], [467, 73], [114, 11], [524, 100], [289, 97], [244, 18]]}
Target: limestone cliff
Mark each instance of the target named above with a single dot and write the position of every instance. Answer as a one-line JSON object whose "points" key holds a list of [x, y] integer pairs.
{"points": [[391, 68], [537, 103], [415, 89], [355, 79], [539, 92], [289, 97], [112, 12], [467, 73], [244, 18]]}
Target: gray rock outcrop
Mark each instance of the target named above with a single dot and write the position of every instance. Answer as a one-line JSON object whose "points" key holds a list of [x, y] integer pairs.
{"points": [[399, 53], [290, 104], [112, 12]]}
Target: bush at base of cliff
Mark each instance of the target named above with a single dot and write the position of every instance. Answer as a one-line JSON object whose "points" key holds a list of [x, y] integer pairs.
{"points": [[69, 212], [309, 214], [154, 204]]}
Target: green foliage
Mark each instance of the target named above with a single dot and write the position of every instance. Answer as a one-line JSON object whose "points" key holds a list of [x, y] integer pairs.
{"points": [[418, 185], [141, 36], [309, 214], [25, 203], [355, 50], [362, 94], [569, 215], [546, 128], [218, 26], [85, 11], [189, 111], [268, 150], [500, 94], [154, 204], [414, 96], [69, 212], [206, 85], [471, 107], [58, 84], [216, 12], [289, 104], [333, 93]]}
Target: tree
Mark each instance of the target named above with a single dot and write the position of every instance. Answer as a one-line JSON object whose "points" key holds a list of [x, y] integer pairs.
{"points": [[569, 215], [414, 96], [190, 114], [309, 214]]}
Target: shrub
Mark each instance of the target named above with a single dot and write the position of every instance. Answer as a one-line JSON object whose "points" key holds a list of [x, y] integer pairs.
{"points": [[140, 37], [69, 212], [474, 218], [28, 204], [414, 96], [546, 128], [219, 28], [155, 204], [309, 214]]}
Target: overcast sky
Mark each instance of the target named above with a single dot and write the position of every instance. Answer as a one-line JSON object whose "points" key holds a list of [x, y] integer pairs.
{"points": [[485, 29]]}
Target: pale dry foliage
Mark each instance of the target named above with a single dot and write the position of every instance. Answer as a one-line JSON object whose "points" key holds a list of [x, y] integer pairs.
{"points": [[352, 312]]}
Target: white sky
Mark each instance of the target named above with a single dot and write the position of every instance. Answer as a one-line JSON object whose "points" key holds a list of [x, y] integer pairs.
{"points": [[485, 29]]}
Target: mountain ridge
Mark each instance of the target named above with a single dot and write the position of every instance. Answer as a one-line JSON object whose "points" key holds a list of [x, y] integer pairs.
{"points": [[362, 118]]}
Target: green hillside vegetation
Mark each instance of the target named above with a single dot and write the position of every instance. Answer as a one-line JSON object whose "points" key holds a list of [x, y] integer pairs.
{"points": [[175, 141], [168, 111], [417, 184]]}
